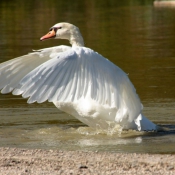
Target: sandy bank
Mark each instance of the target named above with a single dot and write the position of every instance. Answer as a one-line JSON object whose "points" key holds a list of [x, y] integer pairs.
{"points": [[35, 162]]}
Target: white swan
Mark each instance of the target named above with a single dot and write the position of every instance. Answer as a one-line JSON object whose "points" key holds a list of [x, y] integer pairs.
{"points": [[77, 80]]}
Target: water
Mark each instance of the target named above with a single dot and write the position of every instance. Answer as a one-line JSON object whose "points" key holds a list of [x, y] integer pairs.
{"points": [[135, 35]]}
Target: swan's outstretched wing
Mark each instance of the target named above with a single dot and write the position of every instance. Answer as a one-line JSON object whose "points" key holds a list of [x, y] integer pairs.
{"points": [[81, 72], [12, 71]]}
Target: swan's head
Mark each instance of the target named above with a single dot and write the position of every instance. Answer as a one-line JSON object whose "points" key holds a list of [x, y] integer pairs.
{"points": [[65, 31]]}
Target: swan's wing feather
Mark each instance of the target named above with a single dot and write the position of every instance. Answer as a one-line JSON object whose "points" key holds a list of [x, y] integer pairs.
{"points": [[12, 71], [50, 80], [77, 73]]}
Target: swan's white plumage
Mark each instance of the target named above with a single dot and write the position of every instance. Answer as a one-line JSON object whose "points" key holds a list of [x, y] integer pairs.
{"points": [[78, 81], [72, 74], [12, 71]]}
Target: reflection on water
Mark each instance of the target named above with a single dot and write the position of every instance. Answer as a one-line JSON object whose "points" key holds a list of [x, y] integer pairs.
{"points": [[135, 35]]}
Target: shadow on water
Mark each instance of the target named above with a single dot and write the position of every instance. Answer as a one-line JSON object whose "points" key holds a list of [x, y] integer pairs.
{"points": [[165, 130]]}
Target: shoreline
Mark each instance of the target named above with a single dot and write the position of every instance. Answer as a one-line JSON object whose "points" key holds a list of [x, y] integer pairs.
{"points": [[38, 161]]}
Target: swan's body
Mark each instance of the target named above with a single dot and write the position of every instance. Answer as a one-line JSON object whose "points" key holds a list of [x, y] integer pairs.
{"points": [[78, 81]]}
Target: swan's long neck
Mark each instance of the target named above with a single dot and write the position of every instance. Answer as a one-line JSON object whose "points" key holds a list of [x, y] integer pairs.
{"points": [[76, 38]]}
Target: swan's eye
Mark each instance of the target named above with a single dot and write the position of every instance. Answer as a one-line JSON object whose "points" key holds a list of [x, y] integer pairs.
{"points": [[51, 29], [55, 28]]}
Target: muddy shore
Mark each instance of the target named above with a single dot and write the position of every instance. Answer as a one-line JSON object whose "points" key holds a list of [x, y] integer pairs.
{"points": [[51, 162]]}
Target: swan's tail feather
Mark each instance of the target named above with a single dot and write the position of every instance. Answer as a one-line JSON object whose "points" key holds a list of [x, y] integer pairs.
{"points": [[144, 124]]}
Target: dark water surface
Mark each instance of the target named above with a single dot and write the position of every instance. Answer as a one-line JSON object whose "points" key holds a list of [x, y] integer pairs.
{"points": [[135, 35]]}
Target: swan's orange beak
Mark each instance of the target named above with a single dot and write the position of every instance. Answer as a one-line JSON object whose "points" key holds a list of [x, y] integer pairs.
{"points": [[49, 35]]}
